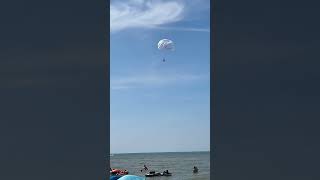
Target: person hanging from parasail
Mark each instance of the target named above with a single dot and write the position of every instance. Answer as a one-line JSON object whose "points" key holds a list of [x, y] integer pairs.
{"points": [[165, 46]]}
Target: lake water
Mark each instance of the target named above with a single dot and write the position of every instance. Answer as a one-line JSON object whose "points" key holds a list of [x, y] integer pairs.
{"points": [[180, 164]]}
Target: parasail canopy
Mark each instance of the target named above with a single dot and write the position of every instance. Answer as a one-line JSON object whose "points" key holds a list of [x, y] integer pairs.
{"points": [[166, 44]]}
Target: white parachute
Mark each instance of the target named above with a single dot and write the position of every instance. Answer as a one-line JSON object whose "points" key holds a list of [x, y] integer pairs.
{"points": [[165, 45]]}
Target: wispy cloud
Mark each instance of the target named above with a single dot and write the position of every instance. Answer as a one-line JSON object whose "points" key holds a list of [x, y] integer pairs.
{"points": [[148, 14], [145, 14], [151, 80], [184, 29]]}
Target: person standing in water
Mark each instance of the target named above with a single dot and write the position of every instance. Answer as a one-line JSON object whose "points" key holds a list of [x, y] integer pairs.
{"points": [[144, 168], [195, 169]]}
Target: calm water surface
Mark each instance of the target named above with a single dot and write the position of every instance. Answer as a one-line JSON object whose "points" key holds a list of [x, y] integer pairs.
{"points": [[180, 164]]}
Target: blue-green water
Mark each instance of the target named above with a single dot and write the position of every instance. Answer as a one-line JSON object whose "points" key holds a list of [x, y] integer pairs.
{"points": [[180, 164]]}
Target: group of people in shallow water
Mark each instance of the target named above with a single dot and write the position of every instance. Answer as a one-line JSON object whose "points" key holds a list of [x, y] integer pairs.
{"points": [[145, 168]]}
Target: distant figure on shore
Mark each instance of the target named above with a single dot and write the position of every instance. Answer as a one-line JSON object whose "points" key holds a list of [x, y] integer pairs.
{"points": [[195, 169]]}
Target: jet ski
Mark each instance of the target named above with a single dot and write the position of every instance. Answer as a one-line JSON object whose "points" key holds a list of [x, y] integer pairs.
{"points": [[166, 174], [152, 174]]}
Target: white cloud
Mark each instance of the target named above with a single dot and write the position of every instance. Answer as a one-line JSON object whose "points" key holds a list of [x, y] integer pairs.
{"points": [[184, 29], [151, 80], [144, 14]]}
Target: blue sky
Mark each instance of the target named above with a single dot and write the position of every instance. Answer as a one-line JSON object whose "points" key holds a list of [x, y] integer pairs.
{"points": [[160, 106]]}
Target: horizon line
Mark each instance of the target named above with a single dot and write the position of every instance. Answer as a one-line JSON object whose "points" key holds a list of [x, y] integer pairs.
{"points": [[159, 152]]}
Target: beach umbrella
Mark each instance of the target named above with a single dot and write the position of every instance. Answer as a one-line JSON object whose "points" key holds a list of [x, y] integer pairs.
{"points": [[115, 177], [131, 177]]}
